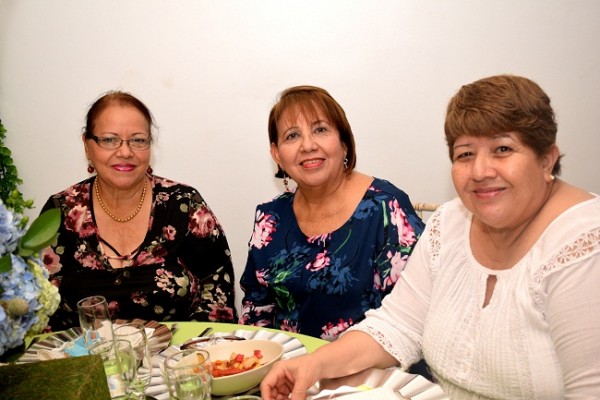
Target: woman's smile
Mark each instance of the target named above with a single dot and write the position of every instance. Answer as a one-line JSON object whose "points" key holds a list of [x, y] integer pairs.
{"points": [[312, 163]]}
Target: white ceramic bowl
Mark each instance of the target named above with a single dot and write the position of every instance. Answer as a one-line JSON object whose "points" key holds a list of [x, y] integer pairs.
{"points": [[233, 384]]}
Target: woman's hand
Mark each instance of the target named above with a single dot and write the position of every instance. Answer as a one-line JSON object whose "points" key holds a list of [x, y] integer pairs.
{"points": [[290, 379]]}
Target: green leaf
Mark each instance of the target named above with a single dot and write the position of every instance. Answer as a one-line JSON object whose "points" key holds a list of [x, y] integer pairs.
{"points": [[5, 263], [41, 233]]}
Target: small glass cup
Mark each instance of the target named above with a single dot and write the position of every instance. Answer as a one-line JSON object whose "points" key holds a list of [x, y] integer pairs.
{"points": [[94, 319], [120, 366], [187, 375], [135, 333]]}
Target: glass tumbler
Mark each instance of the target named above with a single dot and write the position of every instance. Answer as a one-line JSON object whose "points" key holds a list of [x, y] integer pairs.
{"points": [[187, 375], [95, 320], [135, 333], [120, 366]]}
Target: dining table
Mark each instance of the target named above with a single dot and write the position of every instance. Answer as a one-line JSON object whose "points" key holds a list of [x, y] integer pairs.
{"points": [[186, 330], [400, 384], [174, 334]]}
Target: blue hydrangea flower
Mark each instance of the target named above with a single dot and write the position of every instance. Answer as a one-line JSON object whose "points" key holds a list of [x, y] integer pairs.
{"points": [[10, 231], [27, 298]]}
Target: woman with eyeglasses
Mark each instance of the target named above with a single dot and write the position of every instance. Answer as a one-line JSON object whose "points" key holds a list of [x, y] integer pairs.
{"points": [[150, 245]]}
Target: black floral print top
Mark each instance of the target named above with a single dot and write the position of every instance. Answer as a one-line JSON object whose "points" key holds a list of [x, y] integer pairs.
{"points": [[182, 270]]}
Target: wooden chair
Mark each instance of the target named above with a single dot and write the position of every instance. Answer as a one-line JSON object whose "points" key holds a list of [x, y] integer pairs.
{"points": [[429, 207]]}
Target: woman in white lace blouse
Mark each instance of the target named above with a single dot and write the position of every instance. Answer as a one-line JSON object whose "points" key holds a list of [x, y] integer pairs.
{"points": [[501, 296]]}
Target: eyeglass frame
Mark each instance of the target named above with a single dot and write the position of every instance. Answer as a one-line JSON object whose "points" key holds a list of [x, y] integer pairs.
{"points": [[98, 139]]}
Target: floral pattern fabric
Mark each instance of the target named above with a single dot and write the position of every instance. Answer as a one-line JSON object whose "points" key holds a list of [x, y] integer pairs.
{"points": [[321, 285], [182, 270]]}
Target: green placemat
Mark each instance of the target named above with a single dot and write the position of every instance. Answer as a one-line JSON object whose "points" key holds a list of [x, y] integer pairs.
{"points": [[62, 379]]}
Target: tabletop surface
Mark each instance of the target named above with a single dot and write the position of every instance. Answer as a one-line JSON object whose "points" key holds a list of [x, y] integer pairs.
{"points": [[186, 330], [418, 388]]}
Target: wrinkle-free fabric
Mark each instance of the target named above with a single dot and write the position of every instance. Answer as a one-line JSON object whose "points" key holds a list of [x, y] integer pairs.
{"points": [[181, 271], [539, 336], [321, 285]]}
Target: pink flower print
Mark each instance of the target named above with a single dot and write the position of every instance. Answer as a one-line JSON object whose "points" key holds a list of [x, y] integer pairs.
{"points": [[320, 239], [288, 326], [147, 258], [87, 259], [319, 263], [113, 308], [261, 276], [377, 280], [220, 313], [398, 262], [77, 194], [164, 279], [331, 331], [165, 182], [162, 197], [79, 220], [202, 222], [169, 232], [264, 227], [51, 260], [140, 298], [406, 233]]}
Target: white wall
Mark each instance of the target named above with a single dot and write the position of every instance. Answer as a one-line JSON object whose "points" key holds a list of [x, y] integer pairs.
{"points": [[211, 70]]}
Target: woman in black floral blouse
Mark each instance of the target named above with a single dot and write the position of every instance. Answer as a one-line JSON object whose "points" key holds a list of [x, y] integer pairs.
{"points": [[151, 246]]}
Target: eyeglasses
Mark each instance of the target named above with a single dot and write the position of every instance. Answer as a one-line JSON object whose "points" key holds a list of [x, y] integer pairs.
{"points": [[114, 142]]}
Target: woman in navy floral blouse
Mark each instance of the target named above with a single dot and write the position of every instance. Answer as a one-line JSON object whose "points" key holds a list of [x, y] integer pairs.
{"points": [[320, 256], [151, 246]]}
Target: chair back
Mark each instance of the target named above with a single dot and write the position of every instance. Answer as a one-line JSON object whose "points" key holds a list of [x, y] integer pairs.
{"points": [[428, 207]]}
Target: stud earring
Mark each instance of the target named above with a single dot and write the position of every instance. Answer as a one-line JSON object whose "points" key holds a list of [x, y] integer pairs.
{"points": [[149, 170], [90, 169]]}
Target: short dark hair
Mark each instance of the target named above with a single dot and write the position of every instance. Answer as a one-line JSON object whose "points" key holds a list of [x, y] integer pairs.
{"points": [[309, 100], [114, 97], [503, 103]]}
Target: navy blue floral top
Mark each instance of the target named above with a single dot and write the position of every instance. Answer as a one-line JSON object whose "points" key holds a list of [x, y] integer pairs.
{"points": [[321, 285], [182, 270]]}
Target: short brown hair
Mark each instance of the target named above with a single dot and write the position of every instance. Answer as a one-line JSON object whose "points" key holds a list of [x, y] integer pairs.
{"points": [[503, 103], [114, 97], [309, 100]]}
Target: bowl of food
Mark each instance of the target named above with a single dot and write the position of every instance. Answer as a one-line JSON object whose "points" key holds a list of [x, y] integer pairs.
{"points": [[238, 366]]}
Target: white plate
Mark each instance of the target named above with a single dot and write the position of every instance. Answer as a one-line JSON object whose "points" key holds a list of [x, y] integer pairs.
{"points": [[407, 385], [292, 347], [160, 339]]}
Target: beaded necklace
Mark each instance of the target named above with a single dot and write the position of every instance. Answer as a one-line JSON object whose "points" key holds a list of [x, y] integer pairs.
{"points": [[137, 210]]}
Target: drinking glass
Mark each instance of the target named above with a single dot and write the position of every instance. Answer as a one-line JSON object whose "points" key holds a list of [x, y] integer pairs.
{"points": [[135, 333], [120, 366], [187, 375], [94, 320]]}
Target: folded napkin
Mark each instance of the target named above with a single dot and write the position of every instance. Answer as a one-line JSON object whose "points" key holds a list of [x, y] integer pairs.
{"points": [[77, 347]]}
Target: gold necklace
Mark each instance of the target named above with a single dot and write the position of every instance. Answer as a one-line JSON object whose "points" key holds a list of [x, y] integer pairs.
{"points": [[137, 210]]}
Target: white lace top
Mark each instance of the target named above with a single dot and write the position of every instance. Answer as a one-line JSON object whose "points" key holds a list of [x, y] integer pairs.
{"points": [[538, 338]]}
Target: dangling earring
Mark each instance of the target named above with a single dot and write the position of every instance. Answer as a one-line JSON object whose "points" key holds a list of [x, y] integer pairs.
{"points": [[286, 182], [149, 171], [345, 163], [90, 168]]}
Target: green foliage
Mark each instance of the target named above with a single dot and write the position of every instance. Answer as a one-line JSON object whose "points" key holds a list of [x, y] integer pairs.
{"points": [[41, 234], [9, 179]]}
